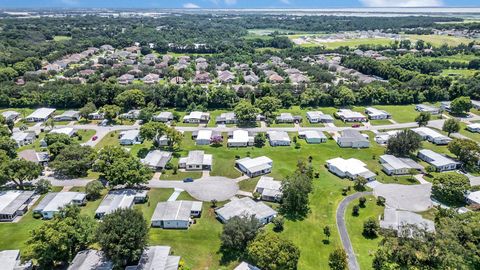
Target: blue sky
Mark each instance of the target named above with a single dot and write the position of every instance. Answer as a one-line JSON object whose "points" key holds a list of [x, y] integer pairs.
{"points": [[235, 3]]}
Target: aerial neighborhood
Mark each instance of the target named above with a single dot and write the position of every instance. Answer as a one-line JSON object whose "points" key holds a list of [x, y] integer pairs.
{"points": [[238, 140]]}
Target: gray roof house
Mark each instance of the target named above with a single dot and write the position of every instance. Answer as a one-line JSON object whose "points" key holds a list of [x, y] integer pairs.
{"points": [[226, 118], [312, 136], [376, 114], [10, 115], [41, 158], [132, 114], [347, 115], [90, 259], [53, 202], [319, 117], [288, 118], [269, 189], [254, 167], [427, 108], [40, 115], [278, 138], [68, 116], [196, 160], [14, 203], [246, 207], [156, 159], [432, 136], [393, 165], [176, 214], [246, 266], [349, 168], [10, 260], [196, 117], [24, 137], [440, 162], [353, 139], [396, 220], [163, 117], [156, 258], [130, 137], [117, 199]]}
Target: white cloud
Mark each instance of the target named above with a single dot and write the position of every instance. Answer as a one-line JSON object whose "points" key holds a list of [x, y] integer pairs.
{"points": [[190, 5], [402, 3]]}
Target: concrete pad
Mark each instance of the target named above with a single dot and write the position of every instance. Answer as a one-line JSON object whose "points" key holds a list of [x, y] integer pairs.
{"points": [[175, 195], [415, 198]]}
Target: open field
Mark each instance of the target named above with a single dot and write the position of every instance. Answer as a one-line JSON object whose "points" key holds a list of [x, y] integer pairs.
{"points": [[351, 43], [439, 40], [61, 38], [464, 58], [459, 72]]}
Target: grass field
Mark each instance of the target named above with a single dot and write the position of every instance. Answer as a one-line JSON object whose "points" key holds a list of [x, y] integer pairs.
{"points": [[61, 38], [351, 43], [439, 40], [458, 72], [464, 58], [364, 247]]}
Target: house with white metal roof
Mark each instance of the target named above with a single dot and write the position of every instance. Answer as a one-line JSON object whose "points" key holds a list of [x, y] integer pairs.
{"points": [[24, 137], [382, 138], [156, 258], [473, 198], [393, 165], [376, 114], [226, 118], [246, 266], [163, 117], [278, 138], [130, 137], [68, 116], [399, 220], [40, 115], [176, 214], [69, 131], [350, 168], [246, 207], [120, 199], [285, 118], [474, 127], [132, 115], [432, 136], [476, 104], [10, 260], [196, 117], [90, 259], [10, 115], [319, 117], [204, 136], [269, 189], [240, 138], [312, 136], [157, 160], [96, 115], [254, 167], [14, 203], [347, 115], [440, 162], [196, 161], [427, 108], [53, 202], [353, 139]]}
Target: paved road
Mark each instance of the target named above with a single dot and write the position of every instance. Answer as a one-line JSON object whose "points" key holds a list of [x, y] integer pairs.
{"points": [[342, 228]]}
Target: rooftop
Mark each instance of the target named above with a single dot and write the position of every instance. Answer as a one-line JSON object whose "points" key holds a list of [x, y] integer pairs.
{"points": [[176, 210], [56, 200], [90, 260], [12, 200], [41, 113], [245, 206]]}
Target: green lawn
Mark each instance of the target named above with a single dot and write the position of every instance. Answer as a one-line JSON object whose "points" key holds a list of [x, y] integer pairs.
{"points": [[464, 58], [85, 135], [110, 139], [351, 43], [472, 135], [61, 38], [364, 247], [249, 184], [439, 40], [459, 72]]}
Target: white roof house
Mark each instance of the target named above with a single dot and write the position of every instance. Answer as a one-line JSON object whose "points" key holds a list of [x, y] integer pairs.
{"points": [[285, 118], [319, 117], [350, 116], [14, 203], [476, 104], [246, 207], [163, 117], [196, 160], [130, 137], [278, 138], [427, 108], [353, 139], [312, 136], [132, 114], [396, 219], [376, 114], [226, 118], [118, 199], [432, 136], [240, 138], [473, 198], [382, 138], [246, 266], [156, 258], [68, 116], [24, 138], [350, 168], [157, 159], [10, 260], [90, 259], [440, 162], [204, 137], [474, 127], [65, 130], [176, 214], [196, 117], [40, 115], [269, 189], [10, 115], [393, 165], [53, 202], [254, 166]]}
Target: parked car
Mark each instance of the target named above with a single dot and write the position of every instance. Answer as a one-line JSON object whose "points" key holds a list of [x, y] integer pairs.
{"points": [[355, 125], [188, 180], [94, 138]]}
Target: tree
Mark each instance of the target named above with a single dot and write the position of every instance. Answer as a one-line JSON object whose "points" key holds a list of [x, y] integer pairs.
{"points": [[87, 109], [107, 156], [74, 161], [21, 170], [404, 143], [467, 151], [359, 183], [451, 125], [123, 236], [345, 97], [461, 105], [370, 228], [337, 260], [355, 210], [127, 171], [269, 251], [361, 201], [246, 112], [56, 143], [327, 232], [130, 99], [153, 131], [423, 118], [43, 186], [110, 111], [295, 191], [238, 232], [94, 189], [268, 106], [9, 146], [259, 139], [450, 188], [59, 240], [278, 223], [50, 123], [174, 138]]}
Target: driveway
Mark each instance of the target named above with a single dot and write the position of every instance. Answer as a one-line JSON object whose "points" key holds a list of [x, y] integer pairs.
{"points": [[204, 189], [415, 198], [342, 228]]}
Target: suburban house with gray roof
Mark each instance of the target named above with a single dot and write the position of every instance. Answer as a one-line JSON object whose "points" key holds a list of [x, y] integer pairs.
{"points": [[440, 162], [41, 158], [197, 117], [269, 189], [376, 114], [156, 159], [474, 127], [353, 139], [130, 137], [240, 138], [350, 168], [226, 118], [40, 115], [427, 108], [393, 165], [278, 138], [432, 136], [312, 136], [24, 137], [53, 202], [176, 214], [156, 258], [163, 117], [246, 266], [246, 207], [118, 199], [10, 260], [319, 117], [254, 167], [68, 116], [399, 220], [347, 115], [10, 115], [90, 259], [196, 161], [14, 203]]}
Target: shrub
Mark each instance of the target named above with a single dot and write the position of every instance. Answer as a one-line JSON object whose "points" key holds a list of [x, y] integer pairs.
{"points": [[278, 223], [381, 201], [361, 201], [94, 189], [355, 210], [43, 186]]}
